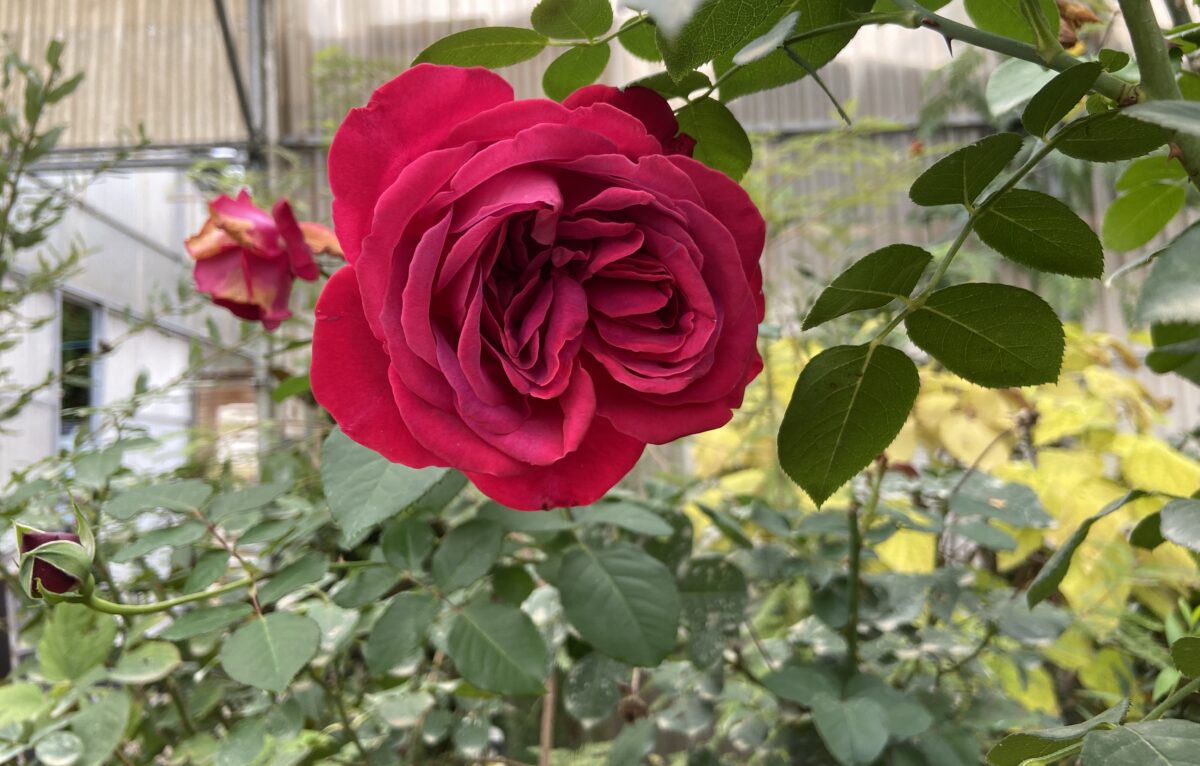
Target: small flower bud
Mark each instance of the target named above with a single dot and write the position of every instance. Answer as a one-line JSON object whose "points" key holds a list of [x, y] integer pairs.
{"points": [[52, 562]]}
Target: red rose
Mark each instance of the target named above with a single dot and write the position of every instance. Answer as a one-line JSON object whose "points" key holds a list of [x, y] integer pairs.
{"points": [[247, 260], [536, 290], [53, 579]]}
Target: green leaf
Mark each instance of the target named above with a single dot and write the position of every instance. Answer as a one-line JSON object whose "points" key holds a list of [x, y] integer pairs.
{"points": [[526, 522], [640, 38], [1004, 17], [21, 702], [1176, 349], [74, 641], [622, 601], [714, 599], [1181, 523], [802, 683], [1171, 293], [150, 662], [268, 653], [497, 647], [242, 501], [984, 534], [763, 45], [1113, 61], [632, 745], [101, 725], [663, 84], [297, 385], [854, 731], [206, 571], [1038, 231], [721, 141], [847, 407], [1151, 743], [399, 631], [960, 177], [1185, 653], [307, 569], [1109, 137], [181, 496], [406, 543], [904, 715], [364, 488], [467, 553], [872, 282], [62, 748], [729, 526], [1017, 748], [572, 19], [717, 27], [778, 69], [1014, 83], [1177, 116], [1062, 94], [627, 516], [205, 619], [1052, 574], [574, 69], [1137, 217], [991, 498], [172, 537], [491, 47], [1150, 170], [512, 584], [1147, 533], [993, 335], [592, 689]]}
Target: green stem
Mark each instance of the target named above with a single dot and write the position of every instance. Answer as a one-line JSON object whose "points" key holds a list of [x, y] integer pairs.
{"points": [[1108, 85], [92, 601], [1192, 687], [1158, 75], [850, 632]]}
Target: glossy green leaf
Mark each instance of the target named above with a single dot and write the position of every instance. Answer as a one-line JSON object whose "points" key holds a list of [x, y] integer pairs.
{"points": [[181, 496], [664, 84], [1147, 533], [498, 648], [467, 553], [1059, 96], [721, 141], [406, 543], [960, 177], [872, 282], [62, 748], [572, 19], [778, 69], [592, 689], [307, 569], [364, 488], [641, 39], [1004, 17], [855, 730], [575, 68], [848, 405], [1014, 83], [1053, 572], [1181, 523], [1185, 653], [763, 45], [1150, 170], [1109, 137], [20, 702], [399, 631], [149, 662], [1176, 349], [622, 601], [1017, 748], [1137, 217], [491, 47], [1150, 743], [1037, 231], [993, 335], [716, 27], [1112, 60], [268, 653]]}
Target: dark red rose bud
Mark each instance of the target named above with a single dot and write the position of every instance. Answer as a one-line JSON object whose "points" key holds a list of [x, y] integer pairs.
{"points": [[52, 578]]}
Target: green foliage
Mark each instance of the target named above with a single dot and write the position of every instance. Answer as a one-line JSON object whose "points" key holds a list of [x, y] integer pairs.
{"points": [[960, 177], [1059, 97], [717, 26], [1038, 231], [491, 47], [1004, 17], [573, 69], [721, 142], [572, 19], [873, 282]]}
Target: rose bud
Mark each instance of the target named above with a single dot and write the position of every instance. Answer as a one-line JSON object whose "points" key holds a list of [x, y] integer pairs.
{"points": [[52, 562], [247, 259], [535, 290]]}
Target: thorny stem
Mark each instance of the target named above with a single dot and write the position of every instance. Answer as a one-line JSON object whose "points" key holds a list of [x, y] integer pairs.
{"points": [[850, 632]]}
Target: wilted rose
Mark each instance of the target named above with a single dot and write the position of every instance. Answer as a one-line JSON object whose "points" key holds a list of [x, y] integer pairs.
{"points": [[247, 259], [536, 290]]}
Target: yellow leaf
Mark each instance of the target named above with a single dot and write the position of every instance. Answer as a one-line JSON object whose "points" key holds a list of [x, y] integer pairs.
{"points": [[1099, 582], [1151, 464], [1073, 650], [1110, 675], [909, 552], [1032, 687]]}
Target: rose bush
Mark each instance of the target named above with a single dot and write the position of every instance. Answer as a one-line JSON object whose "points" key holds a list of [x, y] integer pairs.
{"points": [[247, 259], [535, 290]]}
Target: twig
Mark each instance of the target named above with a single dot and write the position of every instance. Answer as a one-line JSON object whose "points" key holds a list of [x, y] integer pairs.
{"points": [[546, 739]]}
